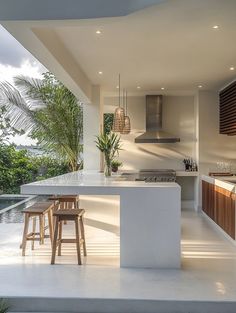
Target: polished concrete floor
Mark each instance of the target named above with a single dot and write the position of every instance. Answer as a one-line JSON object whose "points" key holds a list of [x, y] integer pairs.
{"points": [[208, 268]]}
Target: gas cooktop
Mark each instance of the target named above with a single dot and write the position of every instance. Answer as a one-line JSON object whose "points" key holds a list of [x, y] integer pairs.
{"points": [[152, 176], [157, 175]]}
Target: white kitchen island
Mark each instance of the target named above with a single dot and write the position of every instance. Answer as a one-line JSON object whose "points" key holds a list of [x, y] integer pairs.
{"points": [[150, 214]]}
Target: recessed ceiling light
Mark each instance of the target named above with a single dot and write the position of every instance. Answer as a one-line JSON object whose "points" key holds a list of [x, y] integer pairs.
{"points": [[215, 26], [199, 86], [100, 73], [98, 32], [138, 87], [162, 88], [231, 68], [117, 87]]}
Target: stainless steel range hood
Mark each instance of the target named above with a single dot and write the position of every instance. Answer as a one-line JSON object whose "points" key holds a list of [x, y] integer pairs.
{"points": [[154, 132]]}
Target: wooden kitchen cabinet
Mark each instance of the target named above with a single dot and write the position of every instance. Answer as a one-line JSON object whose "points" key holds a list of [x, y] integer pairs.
{"points": [[208, 199], [225, 210], [219, 204]]}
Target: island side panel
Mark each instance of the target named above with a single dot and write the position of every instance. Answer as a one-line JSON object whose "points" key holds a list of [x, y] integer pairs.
{"points": [[150, 227]]}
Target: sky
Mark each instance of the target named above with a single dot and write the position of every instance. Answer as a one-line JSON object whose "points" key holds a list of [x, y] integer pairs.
{"points": [[16, 60]]}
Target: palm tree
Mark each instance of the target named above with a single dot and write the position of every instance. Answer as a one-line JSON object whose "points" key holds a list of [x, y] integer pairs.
{"points": [[48, 112]]}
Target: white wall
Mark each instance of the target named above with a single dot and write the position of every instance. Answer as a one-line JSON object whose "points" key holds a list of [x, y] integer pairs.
{"points": [[178, 119], [213, 147]]}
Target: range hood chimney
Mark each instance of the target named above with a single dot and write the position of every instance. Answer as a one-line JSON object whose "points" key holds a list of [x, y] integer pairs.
{"points": [[154, 133]]}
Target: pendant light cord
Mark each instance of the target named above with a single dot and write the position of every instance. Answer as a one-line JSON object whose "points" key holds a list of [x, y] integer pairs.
{"points": [[126, 102], [124, 99], [119, 90]]}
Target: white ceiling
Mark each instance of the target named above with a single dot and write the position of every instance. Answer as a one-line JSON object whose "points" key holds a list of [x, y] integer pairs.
{"points": [[171, 45]]}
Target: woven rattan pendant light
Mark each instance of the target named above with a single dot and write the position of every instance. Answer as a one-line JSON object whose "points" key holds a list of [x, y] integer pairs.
{"points": [[119, 116], [127, 126]]}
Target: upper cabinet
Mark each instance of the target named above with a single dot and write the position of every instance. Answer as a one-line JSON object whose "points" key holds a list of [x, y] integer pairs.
{"points": [[228, 110]]}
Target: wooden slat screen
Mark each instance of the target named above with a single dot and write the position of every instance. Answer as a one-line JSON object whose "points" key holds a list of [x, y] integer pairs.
{"points": [[228, 110]]}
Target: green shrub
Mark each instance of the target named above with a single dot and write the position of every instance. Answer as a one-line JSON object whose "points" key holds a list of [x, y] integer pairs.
{"points": [[19, 167], [4, 307]]}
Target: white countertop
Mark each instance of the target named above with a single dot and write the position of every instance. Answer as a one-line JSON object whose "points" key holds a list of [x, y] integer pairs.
{"points": [[93, 179], [221, 181], [187, 174]]}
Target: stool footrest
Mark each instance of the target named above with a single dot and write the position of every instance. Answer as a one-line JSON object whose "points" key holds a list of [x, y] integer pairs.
{"points": [[31, 236], [69, 240]]}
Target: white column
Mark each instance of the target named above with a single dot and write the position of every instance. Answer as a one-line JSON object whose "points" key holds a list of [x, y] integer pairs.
{"points": [[197, 187], [92, 123]]}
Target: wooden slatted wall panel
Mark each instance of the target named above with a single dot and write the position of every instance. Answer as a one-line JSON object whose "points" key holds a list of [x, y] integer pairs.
{"points": [[228, 110]]}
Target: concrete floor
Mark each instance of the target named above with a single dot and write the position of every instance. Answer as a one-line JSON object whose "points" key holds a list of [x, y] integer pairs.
{"points": [[208, 270]]}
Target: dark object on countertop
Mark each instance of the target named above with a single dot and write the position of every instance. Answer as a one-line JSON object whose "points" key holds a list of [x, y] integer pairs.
{"points": [[190, 165], [115, 164], [220, 174]]}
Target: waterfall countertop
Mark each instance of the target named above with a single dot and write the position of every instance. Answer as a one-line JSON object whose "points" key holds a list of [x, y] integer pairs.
{"points": [[150, 214]]}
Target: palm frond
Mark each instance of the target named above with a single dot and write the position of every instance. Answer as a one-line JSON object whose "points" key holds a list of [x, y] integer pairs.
{"points": [[30, 88], [49, 111], [18, 109]]}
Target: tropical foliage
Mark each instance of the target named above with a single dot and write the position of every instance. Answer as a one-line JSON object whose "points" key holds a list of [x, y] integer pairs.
{"points": [[107, 122], [48, 112], [4, 307], [19, 167], [6, 130]]}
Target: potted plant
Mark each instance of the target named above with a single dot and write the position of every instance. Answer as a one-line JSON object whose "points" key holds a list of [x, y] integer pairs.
{"points": [[115, 164], [109, 145]]}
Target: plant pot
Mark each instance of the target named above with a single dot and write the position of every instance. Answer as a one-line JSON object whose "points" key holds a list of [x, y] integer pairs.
{"points": [[114, 169]]}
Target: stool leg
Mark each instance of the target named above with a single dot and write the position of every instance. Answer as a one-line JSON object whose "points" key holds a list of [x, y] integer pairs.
{"points": [[65, 207], [25, 232], [81, 222], [77, 241], [59, 238], [41, 229], [50, 225], [33, 231], [55, 208], [54, 245], [44, 225]]}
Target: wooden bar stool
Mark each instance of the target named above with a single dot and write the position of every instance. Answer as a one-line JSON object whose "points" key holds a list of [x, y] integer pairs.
{"points": [[66, 201], [38, 210], [75, 215]]}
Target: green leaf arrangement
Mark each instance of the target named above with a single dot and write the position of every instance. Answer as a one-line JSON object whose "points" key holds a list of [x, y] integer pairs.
{"points": [[116, 163], [109, 145]]}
